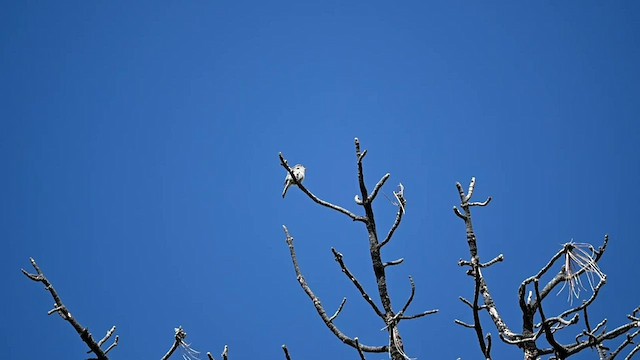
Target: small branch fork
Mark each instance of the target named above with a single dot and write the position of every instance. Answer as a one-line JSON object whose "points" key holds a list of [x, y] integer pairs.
{"points": [[386, 313], [573, 256], [61, 309], [320, 309]]}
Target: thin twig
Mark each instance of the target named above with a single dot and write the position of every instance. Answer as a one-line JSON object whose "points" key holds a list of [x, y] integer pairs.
{"points": [[339, 258], [413, 292], [107, 336], [464, 324], [335, 315], [360, 353], [497, 259], [377, 188], [422, 314], [393, 262], [395, 225]]}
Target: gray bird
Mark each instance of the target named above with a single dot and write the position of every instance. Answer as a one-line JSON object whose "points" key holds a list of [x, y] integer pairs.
{"points": [[298, 171]]}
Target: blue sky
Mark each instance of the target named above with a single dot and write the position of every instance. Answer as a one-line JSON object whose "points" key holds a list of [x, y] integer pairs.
{"points": [[139, 147]]}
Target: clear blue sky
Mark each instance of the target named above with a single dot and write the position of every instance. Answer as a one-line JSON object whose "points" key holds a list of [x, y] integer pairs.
{"points": [[139, 143]]}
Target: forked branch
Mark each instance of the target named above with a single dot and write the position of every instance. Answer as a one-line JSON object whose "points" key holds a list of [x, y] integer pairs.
{"points": [[578, 260], [63, 311], [385, 310], [318, 304]]}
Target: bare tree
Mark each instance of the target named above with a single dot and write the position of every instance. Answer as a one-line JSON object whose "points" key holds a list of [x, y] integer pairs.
{"points": [[389, 315], [577, 261]]}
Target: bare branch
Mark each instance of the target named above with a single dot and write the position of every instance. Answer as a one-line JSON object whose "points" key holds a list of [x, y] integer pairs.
{"points": [[317, 200], [339, 258], [286, 352], [484, 203], [377, 188], [394, 262], [393, 227], [462, 323], [179, 341], [225, 353], [422, 314], [335, 315], [172, 349], [115, 343], [597, 340], [497, 259], [413, 292], [459, 214], [61, 309], [462, 262], [635, 350], [318, 304], [359, 349], [386, 312], [600, 325], [362, 155], [107, 336], [481, 285], [472, 186], [478, 284], [57, 309], [523, 285], [559, 349], [465, 301]]}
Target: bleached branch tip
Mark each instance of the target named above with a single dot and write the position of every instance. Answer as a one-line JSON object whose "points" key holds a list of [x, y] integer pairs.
{"points": [[399, 195], [472, 186]]}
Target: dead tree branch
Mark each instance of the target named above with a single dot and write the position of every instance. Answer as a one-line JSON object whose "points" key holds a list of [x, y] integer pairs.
{"points": [[317, 200], [360, 353], [339, 258], [393, 227], [385, 312], [318, 305], [286, 352], [63, 311], [481, 288], [179, 341], [578, 260]]}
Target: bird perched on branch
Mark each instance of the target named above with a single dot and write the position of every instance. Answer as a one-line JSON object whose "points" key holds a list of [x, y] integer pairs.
{"points": [[298, 171]]}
